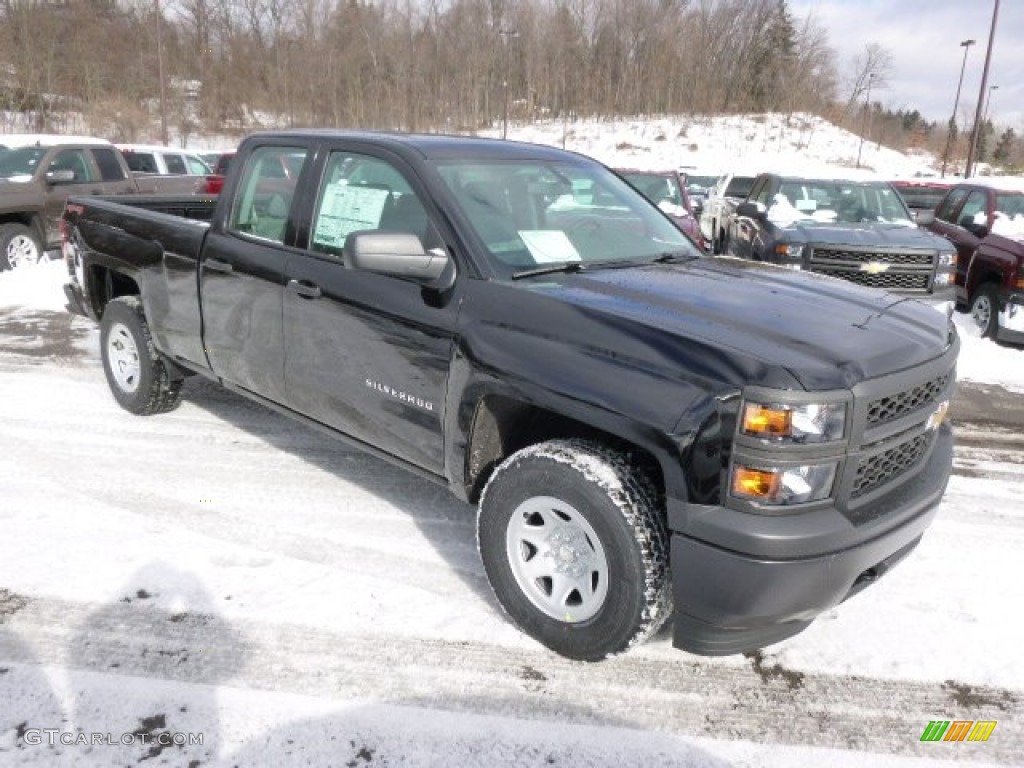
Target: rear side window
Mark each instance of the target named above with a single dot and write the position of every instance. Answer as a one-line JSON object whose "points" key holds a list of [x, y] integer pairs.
{"points": [[141, 162], [947, 209], [106, 159], [264, 200], [739, 186], [175, 165]]}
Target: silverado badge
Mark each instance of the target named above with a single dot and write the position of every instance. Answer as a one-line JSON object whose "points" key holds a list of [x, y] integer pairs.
{"points": [[938, 416]]}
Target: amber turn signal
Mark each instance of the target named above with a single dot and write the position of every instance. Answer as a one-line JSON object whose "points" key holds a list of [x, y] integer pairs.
{"points": [[767, 422], [755, 484]]}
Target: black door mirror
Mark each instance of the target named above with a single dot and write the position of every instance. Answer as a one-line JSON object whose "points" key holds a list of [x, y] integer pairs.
{"points": [[750, 210], [398, 254]]}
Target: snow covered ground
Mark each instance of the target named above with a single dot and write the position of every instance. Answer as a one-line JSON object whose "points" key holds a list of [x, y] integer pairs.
{"points": [[223, 571]]}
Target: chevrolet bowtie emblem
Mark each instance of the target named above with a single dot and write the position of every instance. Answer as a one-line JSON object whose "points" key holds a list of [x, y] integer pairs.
{"points": [[874, 267]]}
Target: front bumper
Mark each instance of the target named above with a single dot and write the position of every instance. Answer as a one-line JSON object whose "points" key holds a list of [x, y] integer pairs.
{"points": [[775, 574], [1011, 320]]}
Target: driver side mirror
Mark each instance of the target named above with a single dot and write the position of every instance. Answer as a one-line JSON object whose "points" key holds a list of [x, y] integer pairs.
{"points": [[397, 254], [62, 176], [751, 210], [924, 218]]}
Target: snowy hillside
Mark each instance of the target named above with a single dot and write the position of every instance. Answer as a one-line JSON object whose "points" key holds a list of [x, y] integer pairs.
{"points": [[800, 143]]}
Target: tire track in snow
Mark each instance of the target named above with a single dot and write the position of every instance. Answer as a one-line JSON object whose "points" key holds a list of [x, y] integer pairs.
{"points": [[690, 697]]}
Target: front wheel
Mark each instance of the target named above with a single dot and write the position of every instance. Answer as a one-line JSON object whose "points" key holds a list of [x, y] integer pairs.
{"points": [[138, 378], [19, 246], [575, 548], [985, 310]]}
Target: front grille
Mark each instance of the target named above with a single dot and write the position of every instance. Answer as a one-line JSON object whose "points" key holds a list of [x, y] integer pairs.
{"points": [[863, 257], [875, 471], [915, 282], [906, 271], [886, 409]]}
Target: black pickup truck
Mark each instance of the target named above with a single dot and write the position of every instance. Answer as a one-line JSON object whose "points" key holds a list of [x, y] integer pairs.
{"points": [[856, 230], [648, 433]]}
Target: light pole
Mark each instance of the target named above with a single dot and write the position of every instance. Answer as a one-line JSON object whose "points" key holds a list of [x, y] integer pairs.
{"points": [[988, 103], [505, 35], [966, 45], [867, 117], [160, 70], [981, 93]]}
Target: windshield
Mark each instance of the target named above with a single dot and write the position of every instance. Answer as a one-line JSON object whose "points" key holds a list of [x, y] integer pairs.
{"points": [[20, 162], [700, 184], [844, 202], [533, 213]]}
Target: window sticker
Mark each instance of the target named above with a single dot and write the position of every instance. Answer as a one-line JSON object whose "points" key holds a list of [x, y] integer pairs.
{"points": [[549, 246], [346, 209]]}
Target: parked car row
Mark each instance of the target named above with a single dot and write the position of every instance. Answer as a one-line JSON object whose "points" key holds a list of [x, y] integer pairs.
{"points": [[39, 171]]}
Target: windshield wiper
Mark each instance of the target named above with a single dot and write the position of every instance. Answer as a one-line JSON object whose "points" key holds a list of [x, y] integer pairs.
{"points": [[674, 257], [547, 269]]}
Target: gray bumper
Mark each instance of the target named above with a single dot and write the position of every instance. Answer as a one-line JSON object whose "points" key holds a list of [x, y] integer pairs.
{"points": [[729, 599]]}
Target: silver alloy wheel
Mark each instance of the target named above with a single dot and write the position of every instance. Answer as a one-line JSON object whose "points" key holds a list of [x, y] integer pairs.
{"points": [[981, 311], [124, 358], [22, 251], [557, 559]]}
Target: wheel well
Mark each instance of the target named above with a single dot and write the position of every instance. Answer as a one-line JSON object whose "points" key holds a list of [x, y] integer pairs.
{"points": [[985, 278], [108, 285], [502, 426], [27, 219]]}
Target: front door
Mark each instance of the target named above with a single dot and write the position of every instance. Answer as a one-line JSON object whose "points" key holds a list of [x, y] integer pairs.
{"points": [[366, 353]]}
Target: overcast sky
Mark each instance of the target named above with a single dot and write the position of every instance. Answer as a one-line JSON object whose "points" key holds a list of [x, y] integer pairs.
{"points": [[923, 37]]}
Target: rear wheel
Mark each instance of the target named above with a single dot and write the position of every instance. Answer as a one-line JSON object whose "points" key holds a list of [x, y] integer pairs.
{"points": [[575, 548], [138, 378], [985, 310], [19, 246]]}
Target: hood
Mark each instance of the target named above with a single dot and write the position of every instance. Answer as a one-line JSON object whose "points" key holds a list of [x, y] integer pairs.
{"points": [[867, 235], [826, 333]]}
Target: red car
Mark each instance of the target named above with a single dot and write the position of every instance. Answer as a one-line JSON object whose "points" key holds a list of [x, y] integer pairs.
{"points": [[667, 191]]}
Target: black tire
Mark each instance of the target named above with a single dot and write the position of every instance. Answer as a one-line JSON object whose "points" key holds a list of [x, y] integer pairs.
{"points": [[19, 246], [567, 492], [985, 310], [138, 378]]}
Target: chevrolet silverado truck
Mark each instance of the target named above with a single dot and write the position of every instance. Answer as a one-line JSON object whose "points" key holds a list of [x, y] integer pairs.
{"points": [[648, 434], [37, 174], [856, 230], [984, 220]]}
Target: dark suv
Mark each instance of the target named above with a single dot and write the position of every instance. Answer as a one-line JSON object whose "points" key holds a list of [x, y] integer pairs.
{"points": [[984, 219]]}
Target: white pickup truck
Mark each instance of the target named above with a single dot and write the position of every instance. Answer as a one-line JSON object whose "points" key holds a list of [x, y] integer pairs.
{"points": [[730, 190]]}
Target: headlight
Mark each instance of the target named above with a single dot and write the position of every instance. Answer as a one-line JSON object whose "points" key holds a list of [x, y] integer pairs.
{"points": [[788, 251], [943, 279], [947, 258], [814, 423], [794, 485]]}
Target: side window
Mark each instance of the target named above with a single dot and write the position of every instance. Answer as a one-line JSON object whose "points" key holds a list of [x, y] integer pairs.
{"points": [[947, 208], [360, 192], [760, 192], [141, 162], [175, 165], [196, 167], [106, 159], [264, 198], [74, 160], [975, 204]]}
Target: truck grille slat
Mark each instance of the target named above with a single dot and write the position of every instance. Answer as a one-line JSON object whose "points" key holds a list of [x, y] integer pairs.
{"points": [[886, 409], [875, 471]]}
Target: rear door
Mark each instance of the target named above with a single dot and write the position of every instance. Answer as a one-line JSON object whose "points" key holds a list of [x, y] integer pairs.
{"points": [[242, 274], [365, 353]]}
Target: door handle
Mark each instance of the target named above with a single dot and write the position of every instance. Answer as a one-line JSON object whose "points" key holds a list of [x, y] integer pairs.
{"points": [[305, 289], [218, 266]]}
